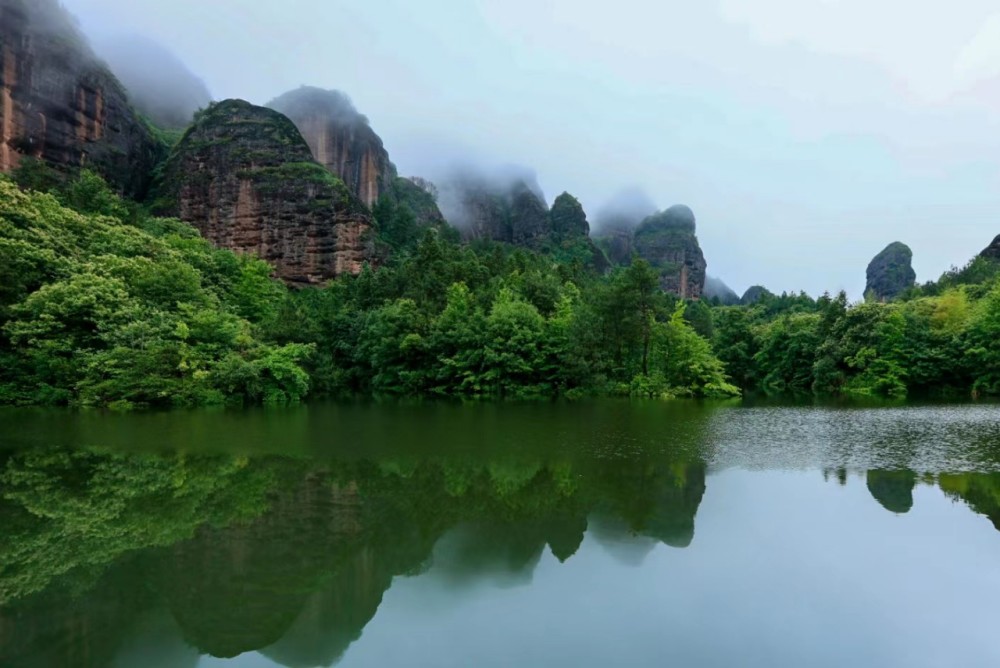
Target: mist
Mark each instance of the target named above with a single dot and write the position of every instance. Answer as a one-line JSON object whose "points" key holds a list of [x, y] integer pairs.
{"points": [[463, 185], [623, 212], [160, 85], [806, 135]]}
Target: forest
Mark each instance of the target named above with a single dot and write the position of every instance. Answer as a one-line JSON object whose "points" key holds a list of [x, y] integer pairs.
{"points": [[104, 304]]}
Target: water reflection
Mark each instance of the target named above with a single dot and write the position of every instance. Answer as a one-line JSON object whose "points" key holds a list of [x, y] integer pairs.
{"points": [[113, 558], [286, 555]]}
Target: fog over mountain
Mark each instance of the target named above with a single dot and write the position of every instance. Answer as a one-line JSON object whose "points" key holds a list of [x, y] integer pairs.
{"points": [[805, 134]]}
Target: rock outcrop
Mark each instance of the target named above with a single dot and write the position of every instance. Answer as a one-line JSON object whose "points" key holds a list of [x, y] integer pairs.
{"points": [[568, 219], [244, 176], [341, 139], [754, 294], [667, 241], [891, 272], [569, 232], [420, 197], [617, 220], [992, 252], [59, 103], [510, 211], [158, 83]]}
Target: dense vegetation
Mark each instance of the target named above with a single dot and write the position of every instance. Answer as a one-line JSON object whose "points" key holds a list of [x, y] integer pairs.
{"points": [[103, 304], [938, 339]]}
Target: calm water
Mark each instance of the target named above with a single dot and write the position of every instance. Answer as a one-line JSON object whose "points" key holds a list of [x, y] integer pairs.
{"points": [[585, 534]]}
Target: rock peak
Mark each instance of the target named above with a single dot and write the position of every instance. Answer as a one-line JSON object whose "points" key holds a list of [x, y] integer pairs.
{"points": [[890, 272], [245, 177], [667, 241], [341, 139], [58, 103]]}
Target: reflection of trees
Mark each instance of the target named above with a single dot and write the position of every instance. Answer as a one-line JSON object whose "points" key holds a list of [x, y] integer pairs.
{"points": [[287, 556], [893, 489]]}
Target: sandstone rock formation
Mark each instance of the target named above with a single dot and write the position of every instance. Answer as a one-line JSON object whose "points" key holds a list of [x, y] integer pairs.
{"points": [[245, 177], [511, 211], [891, 272], [992, 252], [667, 241], [569, 231], [616, 221], [158, 83], [60, 104], [340, 139], [568, 219]]}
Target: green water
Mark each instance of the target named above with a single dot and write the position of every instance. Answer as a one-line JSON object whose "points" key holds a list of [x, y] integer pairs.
{"points": [[567, 534]]}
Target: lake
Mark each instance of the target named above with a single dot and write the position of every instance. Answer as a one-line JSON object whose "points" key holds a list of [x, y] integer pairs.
{"points": [[605, 533]]}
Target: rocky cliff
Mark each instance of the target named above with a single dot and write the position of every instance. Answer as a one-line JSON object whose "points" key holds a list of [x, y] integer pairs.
{"points": [[667, 241], [992, 252], [617, 220], [890, 272], [60, 104], [158, 83], [340, 139], [244, 176], [569, 232], [511, 211]]}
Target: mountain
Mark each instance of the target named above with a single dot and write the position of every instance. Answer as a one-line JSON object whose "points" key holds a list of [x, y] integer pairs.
{"points": [[244, 176], [891, 272], [992, 252], [59, 103], [340, 139], [667, 241]]}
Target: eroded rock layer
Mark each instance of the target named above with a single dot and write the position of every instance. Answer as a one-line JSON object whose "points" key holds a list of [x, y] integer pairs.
{"points": [[667, 241], [341, 139], [244, 176], [58, 103]]}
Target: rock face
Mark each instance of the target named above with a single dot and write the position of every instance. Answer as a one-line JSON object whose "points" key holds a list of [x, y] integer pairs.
{"points": [[617, 221], [512, 211], [568, 219], [992, 252], [158, 83], [667, 241], [569, 231], [419, 196], [891, 272], [244, 176], [340, 139], [60, 104]]}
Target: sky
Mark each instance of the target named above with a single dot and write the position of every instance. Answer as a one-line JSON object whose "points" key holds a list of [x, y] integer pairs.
{"points": [[805, 134]]}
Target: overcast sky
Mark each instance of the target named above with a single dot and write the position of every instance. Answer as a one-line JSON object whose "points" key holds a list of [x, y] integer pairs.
{"points": [[805, 134]]}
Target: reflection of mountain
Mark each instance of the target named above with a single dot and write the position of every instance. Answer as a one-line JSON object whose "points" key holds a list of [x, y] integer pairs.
{"points": [[334, 617], [981, 491], [291, 558], [893, 489], [240, 588]]}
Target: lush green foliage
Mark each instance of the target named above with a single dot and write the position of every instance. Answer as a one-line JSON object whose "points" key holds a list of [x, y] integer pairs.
{"points": [[449, 320], [103, 305], [941, 339]]}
